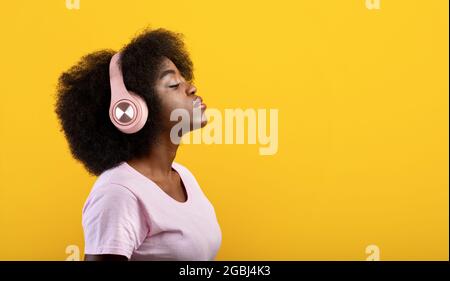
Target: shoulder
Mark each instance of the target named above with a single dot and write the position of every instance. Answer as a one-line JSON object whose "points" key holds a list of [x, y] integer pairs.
{"points": [[117, 182], [111, 184], [109, 196], [111, 191]]}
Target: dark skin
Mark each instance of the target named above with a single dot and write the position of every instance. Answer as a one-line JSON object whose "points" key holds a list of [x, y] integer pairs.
{"points": [[175, 92]]}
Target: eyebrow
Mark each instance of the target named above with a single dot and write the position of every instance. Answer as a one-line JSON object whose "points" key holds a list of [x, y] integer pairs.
{"points": [[165, 72]]}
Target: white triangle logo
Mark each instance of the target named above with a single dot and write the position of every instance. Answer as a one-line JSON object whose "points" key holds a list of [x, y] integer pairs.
{"points": [[124, 115]]}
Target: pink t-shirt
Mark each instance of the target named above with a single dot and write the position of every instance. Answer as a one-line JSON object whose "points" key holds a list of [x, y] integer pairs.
{"points": [[127, 214]]}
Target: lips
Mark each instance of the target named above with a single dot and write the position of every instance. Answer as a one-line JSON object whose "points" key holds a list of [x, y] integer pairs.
{"points": [[198, 102]]}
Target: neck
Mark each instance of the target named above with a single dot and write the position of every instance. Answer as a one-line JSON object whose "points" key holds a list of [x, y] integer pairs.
{"points": [[158, 162]]}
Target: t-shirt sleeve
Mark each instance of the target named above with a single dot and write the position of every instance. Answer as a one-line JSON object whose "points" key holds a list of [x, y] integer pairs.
{"points": [[113, 221]]}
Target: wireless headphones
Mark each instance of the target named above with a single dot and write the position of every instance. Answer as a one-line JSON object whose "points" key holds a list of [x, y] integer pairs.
{"points": [[127, 111]]}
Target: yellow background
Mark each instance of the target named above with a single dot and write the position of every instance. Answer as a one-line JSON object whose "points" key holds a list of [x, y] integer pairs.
{"points": [[363, 123]]}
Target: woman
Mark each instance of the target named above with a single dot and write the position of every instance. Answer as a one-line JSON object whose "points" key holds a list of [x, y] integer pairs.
{"points": [[143, 205]]}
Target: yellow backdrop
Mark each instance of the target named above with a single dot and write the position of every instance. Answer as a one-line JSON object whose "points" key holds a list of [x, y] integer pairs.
{"points": [[362, 96]]}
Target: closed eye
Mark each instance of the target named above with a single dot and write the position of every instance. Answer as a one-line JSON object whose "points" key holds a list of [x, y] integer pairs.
{"points": [[174, 86]]}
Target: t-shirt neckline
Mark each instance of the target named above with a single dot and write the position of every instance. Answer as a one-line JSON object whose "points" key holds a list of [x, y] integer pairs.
{"points": [[156, 186]]}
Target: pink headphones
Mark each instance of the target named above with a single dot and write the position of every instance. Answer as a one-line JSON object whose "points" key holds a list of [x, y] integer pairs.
{"points": [[127, 111]]}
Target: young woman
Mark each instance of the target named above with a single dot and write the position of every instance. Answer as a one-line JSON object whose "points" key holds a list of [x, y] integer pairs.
{"points": [[143, 205]]}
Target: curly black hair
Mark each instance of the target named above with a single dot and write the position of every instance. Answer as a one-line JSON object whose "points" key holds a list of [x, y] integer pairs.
{"points": [[84, 94]]}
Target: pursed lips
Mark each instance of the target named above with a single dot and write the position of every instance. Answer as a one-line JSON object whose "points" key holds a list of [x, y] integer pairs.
{"points": [[198, 101]]}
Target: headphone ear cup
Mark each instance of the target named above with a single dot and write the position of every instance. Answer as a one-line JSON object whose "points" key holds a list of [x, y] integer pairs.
{"points": [[129, 114]]}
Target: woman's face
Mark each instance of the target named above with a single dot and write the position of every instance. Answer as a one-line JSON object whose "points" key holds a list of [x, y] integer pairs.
{"points": [[176, 93]]}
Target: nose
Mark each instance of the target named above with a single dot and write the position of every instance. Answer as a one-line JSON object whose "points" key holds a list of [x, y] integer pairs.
{"points": [[191, 89]]}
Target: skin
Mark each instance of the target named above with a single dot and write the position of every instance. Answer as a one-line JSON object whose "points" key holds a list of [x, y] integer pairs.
{"points": [[175, 92]]}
